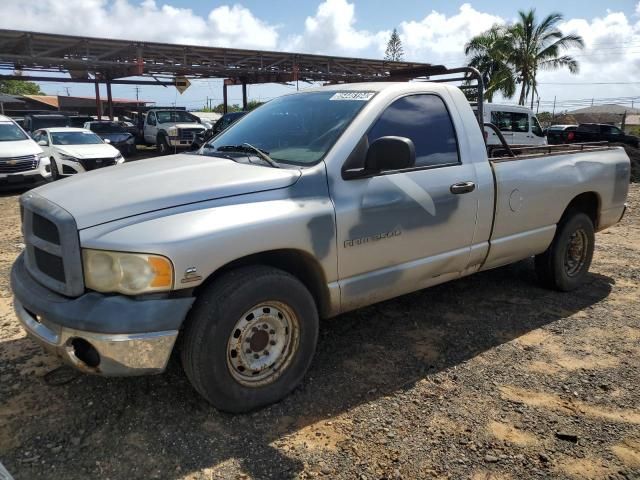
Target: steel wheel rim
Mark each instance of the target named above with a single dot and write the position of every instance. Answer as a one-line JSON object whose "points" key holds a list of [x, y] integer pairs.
{"points": [[576, 252], [262, 344]]}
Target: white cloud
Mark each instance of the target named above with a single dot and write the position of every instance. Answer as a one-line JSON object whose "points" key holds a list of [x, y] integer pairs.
{"points": [[437, 36], [332, 30], [226, 26]]}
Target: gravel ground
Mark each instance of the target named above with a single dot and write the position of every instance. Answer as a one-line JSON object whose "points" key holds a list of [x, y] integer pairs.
{"points": [[488, 377]]}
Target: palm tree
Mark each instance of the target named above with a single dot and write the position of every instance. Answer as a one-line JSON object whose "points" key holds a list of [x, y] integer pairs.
{"points": [[490, 54], [523, 49]]}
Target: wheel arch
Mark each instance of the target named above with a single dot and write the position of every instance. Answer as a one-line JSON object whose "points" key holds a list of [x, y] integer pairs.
{"points": [[298, 263], [588, 203]]}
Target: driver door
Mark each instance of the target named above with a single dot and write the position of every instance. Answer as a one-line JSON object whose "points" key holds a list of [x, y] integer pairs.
{"points": [[151, 128], [400, 231]]}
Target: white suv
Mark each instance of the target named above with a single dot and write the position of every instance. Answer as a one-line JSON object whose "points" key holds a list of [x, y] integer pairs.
{"points": [[22, 161]]}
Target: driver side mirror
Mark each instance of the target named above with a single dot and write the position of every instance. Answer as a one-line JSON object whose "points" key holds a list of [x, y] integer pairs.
{"points": [[43, 143], [106, 140], [385, 153]]}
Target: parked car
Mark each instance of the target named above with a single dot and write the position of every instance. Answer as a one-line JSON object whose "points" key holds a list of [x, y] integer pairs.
{"points": [[559, 134], [78, 121], [317, 203], [518, 125], [221, 124], [22, 161], [75, 150], [598, 132], [124, 141], [33, 121], [170, 130], [128, 126]]}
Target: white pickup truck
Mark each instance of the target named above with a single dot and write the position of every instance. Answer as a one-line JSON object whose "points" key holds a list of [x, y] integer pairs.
{"points": [[170, 130], [312, 205]]}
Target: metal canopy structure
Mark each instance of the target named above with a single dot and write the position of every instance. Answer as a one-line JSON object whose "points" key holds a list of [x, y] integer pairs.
{"points": [[113, 59]]}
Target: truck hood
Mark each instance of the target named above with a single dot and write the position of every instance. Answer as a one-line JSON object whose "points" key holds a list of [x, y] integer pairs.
{"points": [[134, 188]]}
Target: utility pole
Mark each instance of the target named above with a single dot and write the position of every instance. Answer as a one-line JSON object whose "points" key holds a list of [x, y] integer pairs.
{"points": [[206, 105], [137, 92], [592, 101], [538, 106], [67, 89], [553, 115]]}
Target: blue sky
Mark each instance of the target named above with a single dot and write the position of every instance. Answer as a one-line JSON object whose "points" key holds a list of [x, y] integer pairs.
{"points": [[431, 31]]}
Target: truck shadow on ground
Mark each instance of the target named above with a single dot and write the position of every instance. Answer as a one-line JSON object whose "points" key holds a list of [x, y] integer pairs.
{"points": [[158, 427]]}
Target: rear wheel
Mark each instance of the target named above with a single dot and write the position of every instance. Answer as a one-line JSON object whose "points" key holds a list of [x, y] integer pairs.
{"points": [[565, 264], [250, 338]]}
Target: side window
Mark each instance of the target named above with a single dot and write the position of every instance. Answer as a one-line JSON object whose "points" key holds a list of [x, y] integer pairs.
{"points": [[151, 120], [511, 121], [536, 129], [611, 130], [425, 120]]}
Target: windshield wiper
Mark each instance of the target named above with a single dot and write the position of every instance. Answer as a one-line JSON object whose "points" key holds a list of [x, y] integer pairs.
{"points": [[247, 147]]}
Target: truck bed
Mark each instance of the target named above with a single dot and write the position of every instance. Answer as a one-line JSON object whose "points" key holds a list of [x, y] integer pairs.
{"points": [[531, 185]]}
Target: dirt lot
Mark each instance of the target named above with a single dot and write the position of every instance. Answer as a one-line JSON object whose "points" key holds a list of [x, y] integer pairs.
{"points": [[489, 377]]}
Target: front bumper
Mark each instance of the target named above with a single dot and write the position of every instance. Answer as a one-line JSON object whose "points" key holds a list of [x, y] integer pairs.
{"points": [[21, 180], [100, 334]]}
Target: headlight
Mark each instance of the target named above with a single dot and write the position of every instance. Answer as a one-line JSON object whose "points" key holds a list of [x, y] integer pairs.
{"points": [[131, 140], [127, 273], [172, 131], [119, 158], [64, 156]]}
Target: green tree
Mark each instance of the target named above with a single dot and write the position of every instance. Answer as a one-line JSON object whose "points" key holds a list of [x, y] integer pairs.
{"points": [[515, 53], [490, 54], [251, 104], [394, 51], [231, 108], [19, 87]]}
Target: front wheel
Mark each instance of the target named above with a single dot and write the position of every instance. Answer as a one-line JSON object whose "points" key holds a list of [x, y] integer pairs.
{"points": [[565, 264], [162, 145], [55, 174], [250, 338]]}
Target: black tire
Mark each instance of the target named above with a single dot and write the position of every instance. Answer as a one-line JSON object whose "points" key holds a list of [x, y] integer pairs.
{"points": [[55, 174], [162, 144], [213, 321], [558, 269]]}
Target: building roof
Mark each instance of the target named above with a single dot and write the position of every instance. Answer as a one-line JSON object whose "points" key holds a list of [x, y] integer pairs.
{"points": [[632, 120], [56, 101], [4, 98], [51, 100], [608, 109]]}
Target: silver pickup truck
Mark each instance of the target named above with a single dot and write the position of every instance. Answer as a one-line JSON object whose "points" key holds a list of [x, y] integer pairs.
{"points": [[312, 205]]}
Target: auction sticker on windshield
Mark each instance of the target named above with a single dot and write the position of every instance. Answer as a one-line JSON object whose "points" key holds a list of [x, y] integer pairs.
{"points": [[362, 96]]}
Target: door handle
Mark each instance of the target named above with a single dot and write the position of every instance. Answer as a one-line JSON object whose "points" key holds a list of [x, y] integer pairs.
{"points": [[462, 187]]}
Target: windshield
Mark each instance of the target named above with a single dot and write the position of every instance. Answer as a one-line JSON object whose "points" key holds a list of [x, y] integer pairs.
{"points": [[10, 132], [175, 117], [75, 138], [107, 127], [298, 129]]}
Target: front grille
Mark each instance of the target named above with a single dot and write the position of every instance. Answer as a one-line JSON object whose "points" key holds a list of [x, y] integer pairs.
{"points": [[94, 163], [188, 133], [52, 246], [18, 164]]}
